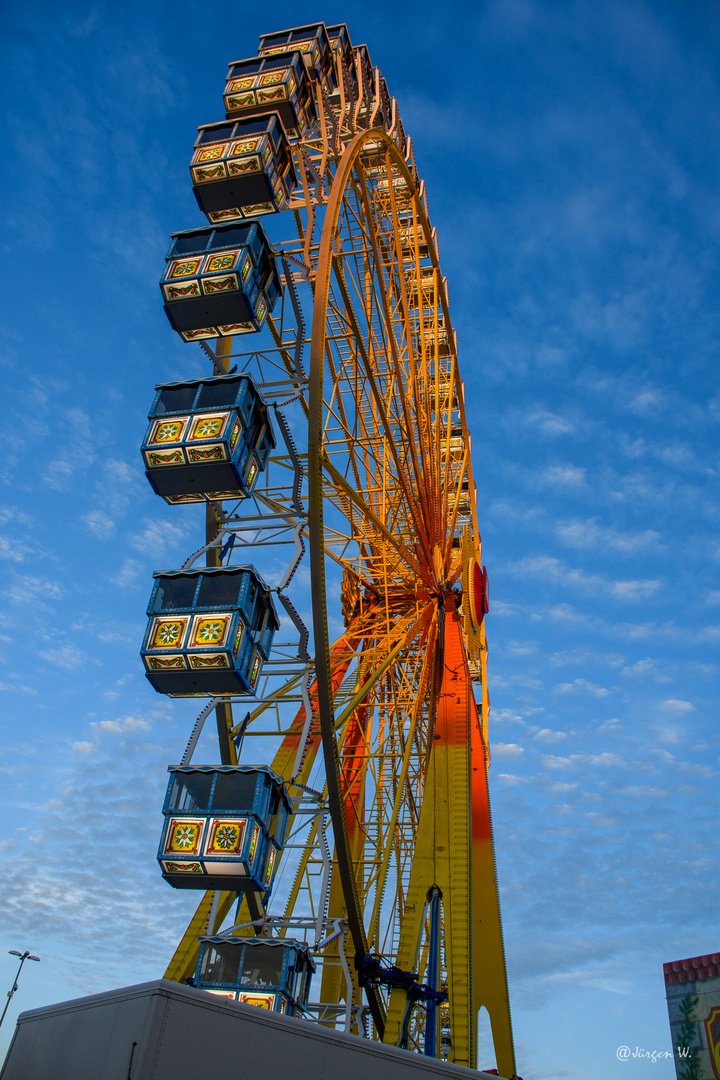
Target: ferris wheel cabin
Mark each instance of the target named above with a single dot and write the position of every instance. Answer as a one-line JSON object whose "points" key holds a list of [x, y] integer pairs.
{"points": [[208, 439], [279, 82], [312, 41], [225, 827], [209, 631], [219, 281], [241, 168], [270, 973]]}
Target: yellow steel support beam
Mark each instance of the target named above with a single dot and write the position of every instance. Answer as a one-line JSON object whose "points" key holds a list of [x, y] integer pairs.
{"points": [[454, 853], [489, 982]]}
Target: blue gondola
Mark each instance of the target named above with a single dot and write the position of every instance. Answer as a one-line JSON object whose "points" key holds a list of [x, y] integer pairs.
{"points": [[225, 827], [219, 281], [209, 631], [271, 973], [207, 439], [241, 168], [314, 44], [280, 83]]}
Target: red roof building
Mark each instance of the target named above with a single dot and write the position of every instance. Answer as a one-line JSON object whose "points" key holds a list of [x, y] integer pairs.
{"points": [[692, 989], [695, 969]]}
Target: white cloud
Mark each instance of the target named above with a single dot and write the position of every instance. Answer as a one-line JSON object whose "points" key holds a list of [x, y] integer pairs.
{"points": [[551, 761], [522, 648], [100, 524], [118, 727], [673, 705], [589, 534], [500, 607], [129, 573], [547, 735], [86, 748], [634, 590], [646, 668], [665, 756], [552, 569], [697, 768], [500, 715], [648, 400], [158, 537], [643, 791], [37, 590], [676, 455], [14, 515], [604, 759], [18, 688], [119, 488], [84, 26], [507, 749], [575, 761], [583, 686], [566, 613], [571, 476], [12, 550], [604, 820], [516, 510], [59, 472], [638, 631], [67, 656], [550, 423]]}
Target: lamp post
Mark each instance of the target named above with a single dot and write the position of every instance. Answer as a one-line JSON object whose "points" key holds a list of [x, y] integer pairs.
{"points": [[23, 957]]}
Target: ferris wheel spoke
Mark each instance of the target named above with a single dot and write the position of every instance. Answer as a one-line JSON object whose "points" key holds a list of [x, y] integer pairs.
{"points": [[403, 800], [368, 517], [407, 634], [379, 403], [377, 777], [378, 262]]}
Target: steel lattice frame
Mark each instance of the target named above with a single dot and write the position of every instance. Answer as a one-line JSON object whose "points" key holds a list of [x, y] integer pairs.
{"points": [[377, 429]]}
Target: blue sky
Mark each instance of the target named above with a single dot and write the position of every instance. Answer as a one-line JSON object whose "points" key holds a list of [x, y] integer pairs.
{"points": [[571, 156]]}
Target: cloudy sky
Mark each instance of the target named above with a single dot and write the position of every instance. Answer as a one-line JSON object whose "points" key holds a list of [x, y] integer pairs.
{"points": [[570, 151]]}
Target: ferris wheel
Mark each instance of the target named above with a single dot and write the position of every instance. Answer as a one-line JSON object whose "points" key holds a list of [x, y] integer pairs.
{"points": [[335, 622]]}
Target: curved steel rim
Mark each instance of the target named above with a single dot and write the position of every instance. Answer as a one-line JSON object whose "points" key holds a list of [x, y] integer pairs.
{"points": [[316, 530]]}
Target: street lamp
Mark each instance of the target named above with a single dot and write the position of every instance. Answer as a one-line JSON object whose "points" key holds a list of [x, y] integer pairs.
{"points": [[23, 957]]}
